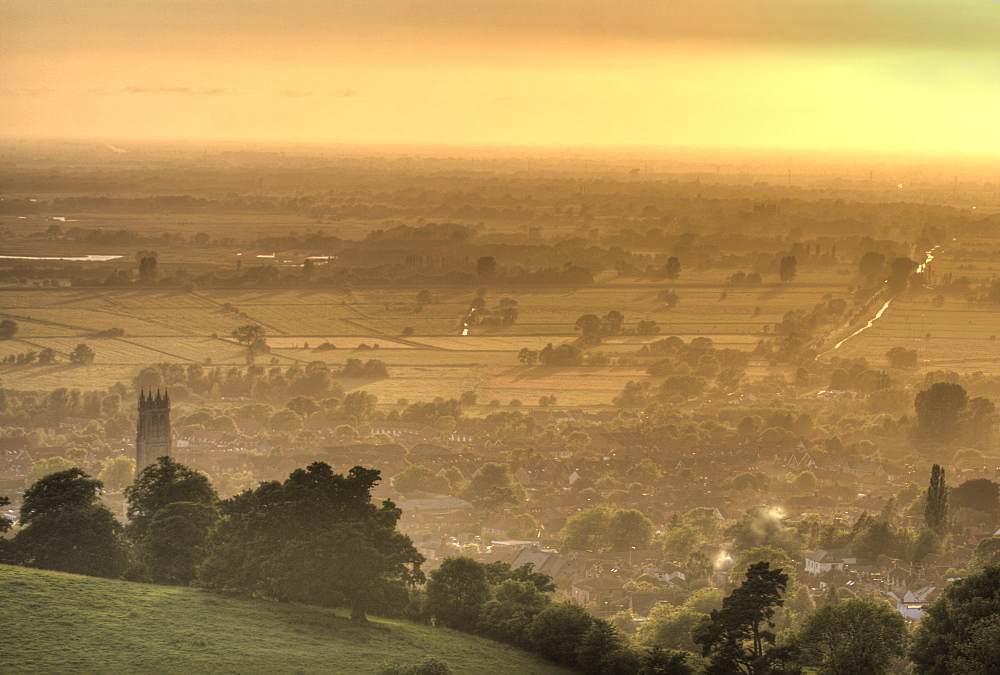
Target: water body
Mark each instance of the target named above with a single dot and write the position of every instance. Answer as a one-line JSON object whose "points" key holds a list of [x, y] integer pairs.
{"points": [[928, 257], [69, 258]]}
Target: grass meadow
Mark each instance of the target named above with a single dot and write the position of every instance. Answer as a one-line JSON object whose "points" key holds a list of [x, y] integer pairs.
{"points": [[54, 622]]}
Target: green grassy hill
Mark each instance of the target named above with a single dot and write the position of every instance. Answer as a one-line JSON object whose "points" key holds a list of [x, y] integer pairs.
{"points": [[54, 622]]}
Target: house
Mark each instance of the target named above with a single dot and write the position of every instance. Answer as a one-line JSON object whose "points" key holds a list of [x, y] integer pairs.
{"points": [[557, 566], [598, 589], [420, 433], [911, 603], [187, 437], [424, 508], [73, 423], [825, 560], [666, 573]]}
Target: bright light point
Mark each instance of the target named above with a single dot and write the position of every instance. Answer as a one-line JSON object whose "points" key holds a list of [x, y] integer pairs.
{"points": [[900, 185]]}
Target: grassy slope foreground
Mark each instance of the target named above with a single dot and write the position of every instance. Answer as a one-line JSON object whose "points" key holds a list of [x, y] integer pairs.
{"points": [[54, 622]]}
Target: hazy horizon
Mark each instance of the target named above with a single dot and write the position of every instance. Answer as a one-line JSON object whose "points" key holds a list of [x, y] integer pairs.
{"points": [[865, 76]]}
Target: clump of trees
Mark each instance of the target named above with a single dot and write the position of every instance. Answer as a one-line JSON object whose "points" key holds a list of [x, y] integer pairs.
{"points": [[253, 336], [8, 329], [65, 527], [316, 538], [515, 606], [960, 632], [602, 529], [82, 354], [371, 369], [900, 357]]}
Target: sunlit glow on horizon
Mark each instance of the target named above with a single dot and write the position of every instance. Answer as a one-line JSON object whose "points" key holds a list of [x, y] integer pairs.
{"points": [[505, 73]]}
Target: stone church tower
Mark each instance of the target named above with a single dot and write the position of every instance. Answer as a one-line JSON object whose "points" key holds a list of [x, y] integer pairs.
{"points": [[152, 438]]}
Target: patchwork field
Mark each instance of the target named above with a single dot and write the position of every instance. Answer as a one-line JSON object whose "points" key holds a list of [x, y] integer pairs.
{"points": [[423, 346], [195, 328], [955, 335]]}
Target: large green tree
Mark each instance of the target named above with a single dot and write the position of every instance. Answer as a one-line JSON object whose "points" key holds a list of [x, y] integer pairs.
{"points": [[160, 484], [856, 636], [65, 527], [316, 538], [669, 626], [456, 592], [987, 553], [175, 540], [629, 529], [557, 632], [951, 632], [979, 652], [509, 614], [737, 637]]}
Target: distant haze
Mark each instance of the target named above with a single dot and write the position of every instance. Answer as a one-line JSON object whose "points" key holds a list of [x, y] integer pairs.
{"points": [[912, 76]]}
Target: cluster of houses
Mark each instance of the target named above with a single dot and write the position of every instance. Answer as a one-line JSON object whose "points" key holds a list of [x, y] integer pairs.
{"points": [[552, 471]]}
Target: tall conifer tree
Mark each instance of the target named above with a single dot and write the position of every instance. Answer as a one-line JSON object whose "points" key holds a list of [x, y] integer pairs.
{"points": [[936, 511]]}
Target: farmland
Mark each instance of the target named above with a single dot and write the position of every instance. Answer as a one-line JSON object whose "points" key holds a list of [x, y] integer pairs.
{"points": [[185, 328], [194, 327], [230, 238]]}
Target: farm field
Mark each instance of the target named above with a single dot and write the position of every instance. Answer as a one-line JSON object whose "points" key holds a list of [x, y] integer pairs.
{"points": [[185, 328], [421, 340], [955, 335], [948, 331]]}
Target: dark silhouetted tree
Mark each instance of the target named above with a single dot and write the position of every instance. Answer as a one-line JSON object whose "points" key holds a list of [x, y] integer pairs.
{"points": [[175, 542], [871, 267], [82, 354], [65, 527], [946, 639], [939, 410], [557, 632], [159, 485], [787, 268], [457, 592], [736, 638], [317, 538], [251, 335], [899, 274], [673, 268], [8, 329], [936, 510], [486, 267], [147, 266], [978, 494], [856, 636]]}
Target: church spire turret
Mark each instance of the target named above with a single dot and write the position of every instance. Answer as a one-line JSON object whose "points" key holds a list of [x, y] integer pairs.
{"points": [[152, 438]]}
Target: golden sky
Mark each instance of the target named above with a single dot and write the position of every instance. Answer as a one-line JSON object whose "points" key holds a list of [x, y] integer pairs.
{"points": [[908, 75]]}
